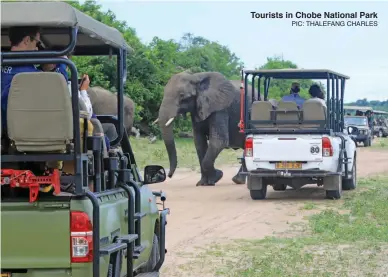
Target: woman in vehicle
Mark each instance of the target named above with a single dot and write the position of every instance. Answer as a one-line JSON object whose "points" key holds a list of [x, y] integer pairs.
{"points": [[316, 93]]}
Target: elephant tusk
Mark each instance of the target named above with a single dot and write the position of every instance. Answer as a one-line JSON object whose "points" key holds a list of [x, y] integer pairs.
{"points": [[170, 121], [156, 121]]}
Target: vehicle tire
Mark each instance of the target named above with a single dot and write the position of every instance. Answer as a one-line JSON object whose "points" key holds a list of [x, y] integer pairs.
{"points": [[279, 187], [259, 194], [350, 184], [333, 194], [154, 257], [367, 142]]}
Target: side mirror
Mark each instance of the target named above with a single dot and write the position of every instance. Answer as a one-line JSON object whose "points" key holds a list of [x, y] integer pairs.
{"points": [[352, 130], [154, 174]]}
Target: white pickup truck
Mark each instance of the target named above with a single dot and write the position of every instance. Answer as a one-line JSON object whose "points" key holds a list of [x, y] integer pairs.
{"points": [[288, 146]]}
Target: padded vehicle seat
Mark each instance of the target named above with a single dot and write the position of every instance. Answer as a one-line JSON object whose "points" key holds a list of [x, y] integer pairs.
{"points": [[274, 103], [261, 110], [287, 106], [39, 115], [314, 109], [99, 131]]}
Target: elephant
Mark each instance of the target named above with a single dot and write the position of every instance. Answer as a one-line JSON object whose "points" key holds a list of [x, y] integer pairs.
{"points": [[104, 102], [213, 102]]}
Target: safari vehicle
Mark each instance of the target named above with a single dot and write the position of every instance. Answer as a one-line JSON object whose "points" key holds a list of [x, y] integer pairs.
{"points": [[380, 128], [288, 146], [108, 222], [360, 130]]}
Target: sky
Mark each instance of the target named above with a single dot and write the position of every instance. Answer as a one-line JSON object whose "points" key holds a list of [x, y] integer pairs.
{"points": [[359, 52]]}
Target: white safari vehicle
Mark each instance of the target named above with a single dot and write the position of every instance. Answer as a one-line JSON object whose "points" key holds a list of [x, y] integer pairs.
{"points": [[290, 146]]}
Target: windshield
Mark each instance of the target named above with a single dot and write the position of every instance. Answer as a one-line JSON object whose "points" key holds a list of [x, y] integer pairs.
{"points": [[361, 121]]}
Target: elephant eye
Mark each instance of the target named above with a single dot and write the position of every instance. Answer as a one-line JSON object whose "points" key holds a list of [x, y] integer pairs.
{"points": [[181, 94]]}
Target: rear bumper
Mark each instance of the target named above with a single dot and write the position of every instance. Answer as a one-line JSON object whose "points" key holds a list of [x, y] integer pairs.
{"points": [[289, 173]]}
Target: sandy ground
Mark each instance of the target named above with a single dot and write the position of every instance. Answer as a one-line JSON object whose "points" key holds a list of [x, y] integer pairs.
{"points": [[202, 215]]}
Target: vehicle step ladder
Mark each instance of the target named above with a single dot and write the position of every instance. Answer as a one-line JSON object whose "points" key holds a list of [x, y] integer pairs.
{"points": [[112, 248], [138, 250], [139, 215], [127, 238]]}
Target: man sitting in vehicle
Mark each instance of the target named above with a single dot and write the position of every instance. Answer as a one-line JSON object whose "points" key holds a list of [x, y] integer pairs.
{"points": [[294, 95], [22, 39], [370, 116]]}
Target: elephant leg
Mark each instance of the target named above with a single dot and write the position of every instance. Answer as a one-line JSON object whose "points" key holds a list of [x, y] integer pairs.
{"points": [[200, 142], [218, 140]]}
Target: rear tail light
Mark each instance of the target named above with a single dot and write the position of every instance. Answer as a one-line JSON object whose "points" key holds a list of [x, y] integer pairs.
{"points": [[327, 148], [81, 238], [249, 147]]}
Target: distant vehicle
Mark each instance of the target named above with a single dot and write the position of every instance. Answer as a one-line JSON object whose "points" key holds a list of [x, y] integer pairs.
{"points": [[360, 130], [361, 111], [380, 127], [100, 218], [288, 146]]}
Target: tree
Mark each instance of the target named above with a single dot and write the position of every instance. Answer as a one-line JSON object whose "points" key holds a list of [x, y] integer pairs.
{"points": [[375, 104]]}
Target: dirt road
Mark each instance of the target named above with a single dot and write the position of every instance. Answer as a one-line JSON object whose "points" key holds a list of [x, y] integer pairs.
{"points": [[201, 215]]}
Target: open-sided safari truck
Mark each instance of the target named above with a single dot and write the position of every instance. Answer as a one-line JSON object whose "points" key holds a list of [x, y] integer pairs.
{"points": [[358, 118], [359, 130], [290, 146], [109, 223]]}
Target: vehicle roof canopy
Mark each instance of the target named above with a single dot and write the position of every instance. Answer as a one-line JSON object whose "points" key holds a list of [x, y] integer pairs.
{"points": [[360, 108], [291, 73], [55, 19]]}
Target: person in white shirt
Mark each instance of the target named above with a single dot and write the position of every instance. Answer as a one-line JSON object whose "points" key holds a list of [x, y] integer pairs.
{"points": [[316, 93], [83, 94]]}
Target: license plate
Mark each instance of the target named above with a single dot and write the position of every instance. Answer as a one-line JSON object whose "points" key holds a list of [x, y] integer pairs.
{"points": [[288, 165]]}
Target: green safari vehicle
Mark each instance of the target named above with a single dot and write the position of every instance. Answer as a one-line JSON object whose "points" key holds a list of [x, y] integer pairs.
{"points": [[70, 206]]}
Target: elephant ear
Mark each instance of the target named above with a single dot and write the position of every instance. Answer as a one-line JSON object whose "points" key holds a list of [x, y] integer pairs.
{"points": [[214, 93]]}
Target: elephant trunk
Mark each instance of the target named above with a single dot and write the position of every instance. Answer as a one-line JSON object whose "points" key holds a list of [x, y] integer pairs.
{"points": [[165, 120], [169, 142]]}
